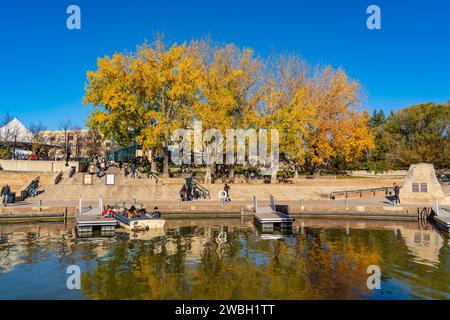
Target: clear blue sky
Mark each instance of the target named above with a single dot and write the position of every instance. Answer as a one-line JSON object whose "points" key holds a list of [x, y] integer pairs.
{"points": [[43, 64]]}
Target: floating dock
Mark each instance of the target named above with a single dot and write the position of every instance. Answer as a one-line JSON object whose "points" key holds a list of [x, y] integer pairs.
{"points": [[441, 216], [91, 218], [267, 218], [87, 222], [443, 223]]}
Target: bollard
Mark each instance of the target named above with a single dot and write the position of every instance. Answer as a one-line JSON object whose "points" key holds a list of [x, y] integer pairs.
{"points": [[302, 204], [346, 204], [65, 214], [40, 205]]}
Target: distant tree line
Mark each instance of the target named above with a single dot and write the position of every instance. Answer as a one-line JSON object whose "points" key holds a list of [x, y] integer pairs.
{"points": [[419, 133]]}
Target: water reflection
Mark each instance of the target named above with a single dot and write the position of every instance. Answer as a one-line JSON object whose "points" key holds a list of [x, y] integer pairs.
{"points": [[229, 259]]}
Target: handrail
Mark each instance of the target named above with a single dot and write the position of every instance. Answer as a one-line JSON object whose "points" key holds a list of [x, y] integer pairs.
{"points": [[58, 177], [360, 191], [204, 193], [72, 172], [154, 175], [24, 193]]}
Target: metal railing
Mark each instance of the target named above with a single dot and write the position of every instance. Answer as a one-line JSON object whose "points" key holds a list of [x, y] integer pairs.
{"points": [[72, 172], [58, 177], [346, 193], [26, 192], [202, 191]]}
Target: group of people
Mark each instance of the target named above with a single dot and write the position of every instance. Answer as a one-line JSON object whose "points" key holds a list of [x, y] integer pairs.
{"points": [[188, 192], [100, 166], [129, 170], [134, 213]]}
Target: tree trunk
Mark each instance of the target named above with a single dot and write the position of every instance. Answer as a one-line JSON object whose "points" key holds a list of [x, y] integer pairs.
{"points": [[208, 175], [296, 174], [166, 163], [273, 176], [231, 175]]}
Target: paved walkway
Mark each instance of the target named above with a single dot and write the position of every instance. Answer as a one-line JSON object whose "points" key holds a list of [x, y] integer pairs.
{"points": [[381, 202]]}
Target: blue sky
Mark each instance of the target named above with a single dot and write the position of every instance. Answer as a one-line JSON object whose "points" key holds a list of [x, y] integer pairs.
{"points": [[43, 64]]}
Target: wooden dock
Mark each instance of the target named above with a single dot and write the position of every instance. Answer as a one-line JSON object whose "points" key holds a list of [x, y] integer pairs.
{"points": [[267, 218]]}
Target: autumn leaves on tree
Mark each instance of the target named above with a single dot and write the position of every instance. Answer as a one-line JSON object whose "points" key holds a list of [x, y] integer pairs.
{"points": [[147, 94]]}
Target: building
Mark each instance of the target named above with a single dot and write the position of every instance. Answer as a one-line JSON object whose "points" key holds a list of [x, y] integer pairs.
{"points": [[81, 143]]}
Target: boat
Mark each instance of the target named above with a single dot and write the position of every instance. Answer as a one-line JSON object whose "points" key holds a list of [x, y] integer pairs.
{"points": [[142, 222]]}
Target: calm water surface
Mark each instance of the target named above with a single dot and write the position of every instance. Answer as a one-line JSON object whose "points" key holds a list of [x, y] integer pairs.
{"points": [[227, 259]]}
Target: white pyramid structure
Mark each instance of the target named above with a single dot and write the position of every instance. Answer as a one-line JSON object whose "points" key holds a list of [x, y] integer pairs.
{"points": [[15, 131]]}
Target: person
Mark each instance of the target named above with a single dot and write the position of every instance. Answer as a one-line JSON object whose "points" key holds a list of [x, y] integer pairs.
{"points": [[132, 212], [33, 190], [196, 194], [133, 172], [156, 213], [226, 188], [189, 192], [396, 193], [97, 171], [126, 172], [183, 193], [5, 194]]}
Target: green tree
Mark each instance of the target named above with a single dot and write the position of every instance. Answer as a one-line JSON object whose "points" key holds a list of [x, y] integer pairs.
{"points": [[419, 133]]}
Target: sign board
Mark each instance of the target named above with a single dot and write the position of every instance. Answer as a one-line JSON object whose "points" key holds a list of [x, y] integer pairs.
{"points": [[88, 179], [423, 187], [110, 179]]}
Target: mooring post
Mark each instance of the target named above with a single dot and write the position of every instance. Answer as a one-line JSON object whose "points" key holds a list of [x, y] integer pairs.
{"points": [[346, 204], [40, 205], [302, 204], [65, 214], [100, 203]]}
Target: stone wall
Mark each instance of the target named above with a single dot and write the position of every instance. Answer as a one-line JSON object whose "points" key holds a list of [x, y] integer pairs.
{"points": [[37, 165]]}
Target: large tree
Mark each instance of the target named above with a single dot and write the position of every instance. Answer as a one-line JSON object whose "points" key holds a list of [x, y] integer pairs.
{"points": [[144, 96], [419, 133]]}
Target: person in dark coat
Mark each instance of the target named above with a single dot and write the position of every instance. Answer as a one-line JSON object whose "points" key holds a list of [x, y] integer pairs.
{"points": [[227, 188], [183, 192], [5, 194], [396, 193], [156, 213]]}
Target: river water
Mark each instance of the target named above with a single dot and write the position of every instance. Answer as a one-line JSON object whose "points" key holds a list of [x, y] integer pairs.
{"points": [[227, 259]]}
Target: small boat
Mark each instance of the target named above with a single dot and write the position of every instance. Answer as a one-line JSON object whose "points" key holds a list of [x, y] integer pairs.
{"points": [[142, 222]]}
